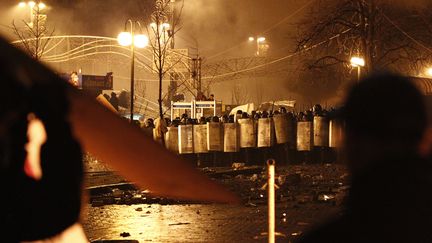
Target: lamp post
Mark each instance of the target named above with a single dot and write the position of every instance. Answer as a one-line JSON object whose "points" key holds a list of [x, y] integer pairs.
{"points": [[133, 40], [259, 41], [35, 7], [357, 62]]}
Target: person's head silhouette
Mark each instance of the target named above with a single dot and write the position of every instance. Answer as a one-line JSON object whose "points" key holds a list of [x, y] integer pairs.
{"points": [[385, 118]]}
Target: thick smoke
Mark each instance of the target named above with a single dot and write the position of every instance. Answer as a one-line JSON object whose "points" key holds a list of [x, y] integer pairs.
{"points": [[98, 17], [219, 29], [219, 25]]}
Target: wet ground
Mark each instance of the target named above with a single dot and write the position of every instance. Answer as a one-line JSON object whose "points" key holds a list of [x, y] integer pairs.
{"points": [[306, 195]]}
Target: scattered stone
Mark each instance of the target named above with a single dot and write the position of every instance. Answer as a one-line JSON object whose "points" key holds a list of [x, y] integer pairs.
{"points": [[254, 177], [281, 180], [125, 234], [117, 192], [178, 224], [325, 197], [139, 209], [97, 203], [302, 223], [293, 179], [249, 204], [305, 198], [237, 165]]}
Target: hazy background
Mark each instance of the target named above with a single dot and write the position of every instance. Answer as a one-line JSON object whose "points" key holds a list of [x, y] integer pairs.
{"points": [[217, 30]]}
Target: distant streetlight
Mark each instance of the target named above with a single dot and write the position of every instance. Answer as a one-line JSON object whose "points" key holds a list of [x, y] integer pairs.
{"points": [[133, 40], [357, 62], [429, 71], [259, 41], [161, 30], [41, 6]]}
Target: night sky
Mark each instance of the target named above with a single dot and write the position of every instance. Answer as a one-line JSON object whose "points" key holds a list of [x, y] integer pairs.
{"points": [[216, 29], [211, 25]]}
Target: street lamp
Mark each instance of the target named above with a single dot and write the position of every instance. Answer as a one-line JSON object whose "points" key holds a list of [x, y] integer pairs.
{"points": [[133, 40], [357, 62], [34, 6], [160, 30], [258, 40], [429, 72]]}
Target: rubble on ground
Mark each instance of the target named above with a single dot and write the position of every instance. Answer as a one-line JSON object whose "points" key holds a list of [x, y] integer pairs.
{"points": [[296, 184]]}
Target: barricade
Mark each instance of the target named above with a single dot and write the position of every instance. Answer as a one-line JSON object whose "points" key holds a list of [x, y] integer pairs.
{"points": [[279, 137]]}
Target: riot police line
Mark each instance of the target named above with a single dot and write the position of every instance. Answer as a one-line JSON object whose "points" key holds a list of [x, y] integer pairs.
{"points": [[252, 139]]}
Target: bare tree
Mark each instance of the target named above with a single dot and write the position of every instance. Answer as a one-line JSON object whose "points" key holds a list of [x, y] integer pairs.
{"points": [[34, 36], [377, 31], [239, 95], [165, 23]]}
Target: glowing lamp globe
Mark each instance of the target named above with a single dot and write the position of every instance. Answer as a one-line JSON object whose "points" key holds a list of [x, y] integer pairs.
{"points": [[141, 41], [124, 39]]}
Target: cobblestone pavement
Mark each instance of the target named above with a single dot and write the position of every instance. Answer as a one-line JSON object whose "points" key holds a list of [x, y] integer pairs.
{"points": [[306, 195]]}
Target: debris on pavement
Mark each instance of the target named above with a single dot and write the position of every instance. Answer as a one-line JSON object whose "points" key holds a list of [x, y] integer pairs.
{"points": [[296, 185], [124, 234]]}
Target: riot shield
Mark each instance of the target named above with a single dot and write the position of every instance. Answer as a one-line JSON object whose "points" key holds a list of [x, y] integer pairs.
{"points": [[214, 136], [265, 132], [231, 137], [171, 139], [336, 133], [200, 139], [304, 136], [320, 131], [247, 133], [185, 139]]}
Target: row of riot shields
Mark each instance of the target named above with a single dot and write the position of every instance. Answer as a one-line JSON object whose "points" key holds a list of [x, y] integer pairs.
{"points": [[250, 133], [210, 137], [318, 133]]}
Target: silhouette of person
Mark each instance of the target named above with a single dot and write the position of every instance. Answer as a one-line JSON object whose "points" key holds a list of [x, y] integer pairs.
{"points": [[37, 207], [389, 199], [148, 126], [202, 120], [200, 96], [114, 100]]}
